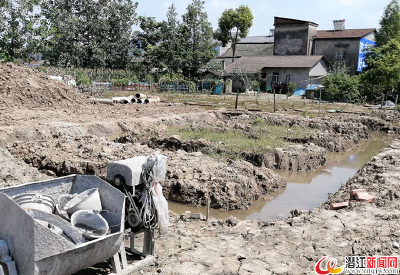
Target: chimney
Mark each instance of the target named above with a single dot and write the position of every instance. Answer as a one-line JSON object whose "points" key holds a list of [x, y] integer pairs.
{"points": [[271, 32], [339, 25]]}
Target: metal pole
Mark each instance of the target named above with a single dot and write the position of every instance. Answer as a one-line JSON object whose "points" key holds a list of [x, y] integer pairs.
{"points": [[208, 209], [395, 107], [319, 111], [148, 242], [237, 99]]}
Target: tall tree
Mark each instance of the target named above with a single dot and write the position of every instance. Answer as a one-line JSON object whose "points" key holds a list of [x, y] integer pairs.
{"points": [[197, 38], [88, 33], [170, 49], [120, 16], [146, 41], [383, 68], [17, 28], [233, 25], [389, 24]]}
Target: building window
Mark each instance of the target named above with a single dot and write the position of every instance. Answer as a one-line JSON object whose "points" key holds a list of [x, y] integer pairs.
{"points": [[287, 79], [275, 77], [341, 53]]}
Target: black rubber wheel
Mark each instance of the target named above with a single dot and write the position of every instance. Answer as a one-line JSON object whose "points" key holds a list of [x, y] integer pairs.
{"points": [[119, 180]]}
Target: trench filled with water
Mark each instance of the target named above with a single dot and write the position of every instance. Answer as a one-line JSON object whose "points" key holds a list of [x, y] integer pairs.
{"points": [[304, 190]]}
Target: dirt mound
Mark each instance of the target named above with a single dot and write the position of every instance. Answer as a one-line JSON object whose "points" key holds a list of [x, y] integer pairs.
{"points": [[378, 176], [14, 172], [28, 88]]}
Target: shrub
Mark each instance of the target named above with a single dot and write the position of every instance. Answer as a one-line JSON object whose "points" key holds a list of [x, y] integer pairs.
{"points": [[82, 80], [340, 85], [291, 88], [120, 82]]}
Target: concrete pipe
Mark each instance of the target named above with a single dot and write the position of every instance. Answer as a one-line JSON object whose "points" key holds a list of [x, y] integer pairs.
{"points": [[139, 101], [150, 100], [141, 96], [104, 101], [121, 99], [133, 100]]}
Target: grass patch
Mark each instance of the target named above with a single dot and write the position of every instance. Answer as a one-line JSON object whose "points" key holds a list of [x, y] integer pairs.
{"points": [[259, 138]]}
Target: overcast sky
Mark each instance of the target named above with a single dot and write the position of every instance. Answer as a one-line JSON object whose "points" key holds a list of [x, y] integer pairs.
{"points": [[358, 13]]}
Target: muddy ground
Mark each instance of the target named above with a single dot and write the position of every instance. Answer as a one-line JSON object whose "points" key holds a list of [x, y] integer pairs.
{"points": [[47, 130], [294, 245]]}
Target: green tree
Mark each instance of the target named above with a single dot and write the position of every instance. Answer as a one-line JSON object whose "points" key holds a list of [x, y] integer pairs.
{"points": [[88, 33], [171, 47], [120, 16], [389, 24], [340, 85], [146, 40], [234, 25], [197, 35], [17, 28], [383, 69]]}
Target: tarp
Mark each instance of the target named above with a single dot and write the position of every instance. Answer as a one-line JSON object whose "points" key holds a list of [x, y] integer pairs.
{"points": [[300, 92], [313, 87]]}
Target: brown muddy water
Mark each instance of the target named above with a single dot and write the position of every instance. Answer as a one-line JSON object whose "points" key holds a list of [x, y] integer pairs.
{"points": [[305, 190]]}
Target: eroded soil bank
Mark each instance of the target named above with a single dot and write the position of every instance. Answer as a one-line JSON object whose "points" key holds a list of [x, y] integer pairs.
{"points": [[193, 173], [268, 140], [293, 245], [191, 177]]}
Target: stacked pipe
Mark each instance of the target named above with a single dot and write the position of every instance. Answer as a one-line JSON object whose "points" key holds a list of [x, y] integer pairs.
{"points": [[138, 98]]}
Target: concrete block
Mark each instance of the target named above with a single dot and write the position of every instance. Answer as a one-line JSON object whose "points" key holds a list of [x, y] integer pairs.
{"points": [[366, 197], [354, 194], [339, 205]]}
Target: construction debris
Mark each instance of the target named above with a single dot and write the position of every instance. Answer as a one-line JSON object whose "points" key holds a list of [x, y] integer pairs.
{"points": [[339, 205]]}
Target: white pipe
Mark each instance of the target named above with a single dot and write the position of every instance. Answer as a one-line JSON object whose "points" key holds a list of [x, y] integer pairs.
{"points": [[139, 101], [141, 96], [122, 99], [150, 100], [104, 101], [133, 100]]}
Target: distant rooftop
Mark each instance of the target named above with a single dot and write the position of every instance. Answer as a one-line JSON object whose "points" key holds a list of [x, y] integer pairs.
{"points": [[250, 49], [290, 21], [349, 33], [262, 39], [254, 64]]}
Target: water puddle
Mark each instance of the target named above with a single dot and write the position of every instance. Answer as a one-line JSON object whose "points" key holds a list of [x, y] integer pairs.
{"points": [[305, 190]]}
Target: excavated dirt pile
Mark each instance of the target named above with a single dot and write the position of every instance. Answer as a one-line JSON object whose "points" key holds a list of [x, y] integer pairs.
{"points": [[22, 87], [191, 177]]}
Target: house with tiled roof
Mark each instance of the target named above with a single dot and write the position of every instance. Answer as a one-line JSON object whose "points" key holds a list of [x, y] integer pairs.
{"points": [[300, 69], [344, 46], [296, 51]]}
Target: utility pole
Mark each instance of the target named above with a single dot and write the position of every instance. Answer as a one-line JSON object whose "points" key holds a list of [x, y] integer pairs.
{"points": [[395, 107], [319, 104]]}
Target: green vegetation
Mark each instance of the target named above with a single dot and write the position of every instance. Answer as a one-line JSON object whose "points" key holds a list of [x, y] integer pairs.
{"points": [[340, 85], [291, 88], [382, 74], [120, 82], [233, 25], [82, 80], [383, 71], [17, 31], [389, 24], [258, 139]]}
